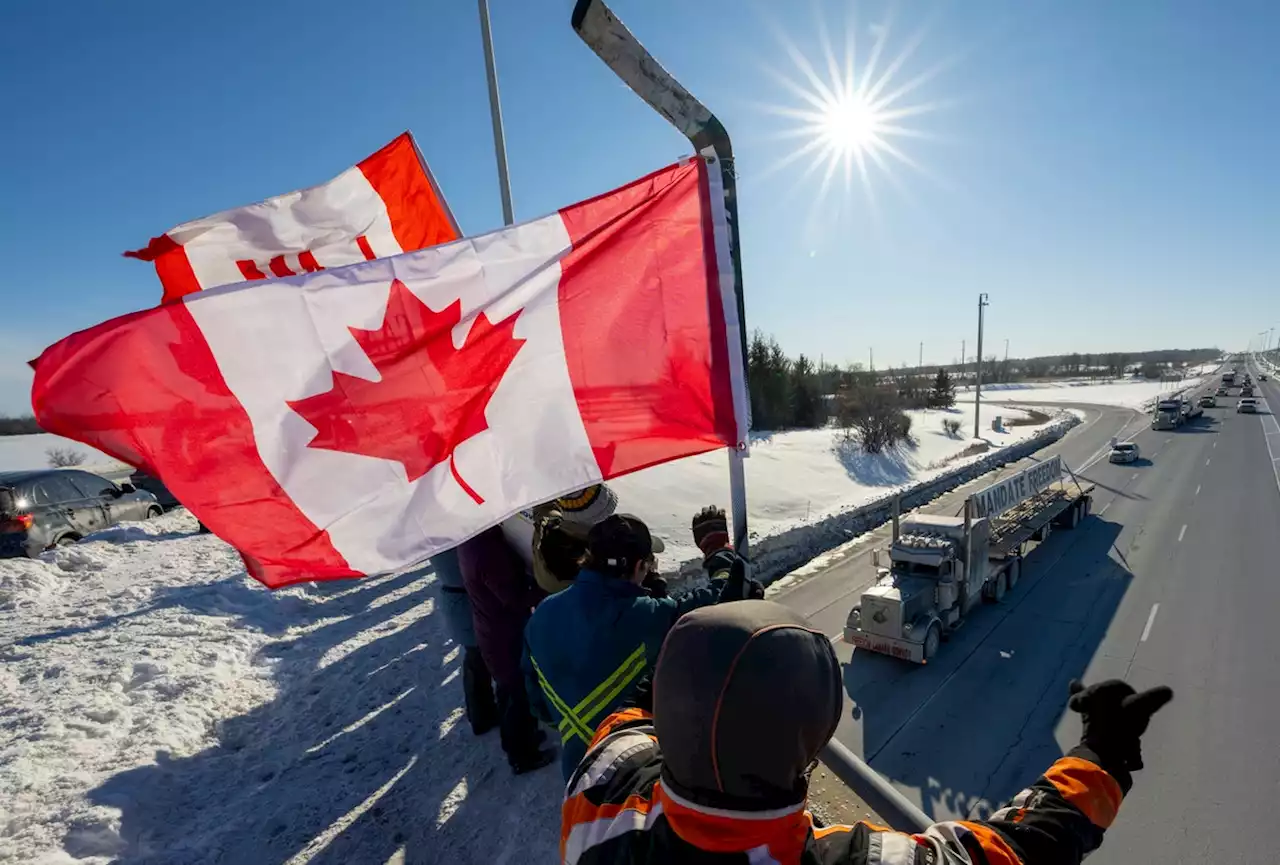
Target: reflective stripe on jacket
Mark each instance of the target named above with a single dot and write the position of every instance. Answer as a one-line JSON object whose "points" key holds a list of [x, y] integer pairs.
{"points": [[588, 646], [618, 811]]}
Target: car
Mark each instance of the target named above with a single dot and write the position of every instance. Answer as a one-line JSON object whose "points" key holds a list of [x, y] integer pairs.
{"points": [[1208, 400], [1124, 452], [1246, 391], [1262, 376], [1222, 391], [46, 508], [1249, 406]]}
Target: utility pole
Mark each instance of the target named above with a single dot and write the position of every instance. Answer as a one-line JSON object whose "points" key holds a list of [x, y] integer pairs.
{"points": [[977, 381], [495, 115], [1006, 350], [963, 360], [920, 365]]}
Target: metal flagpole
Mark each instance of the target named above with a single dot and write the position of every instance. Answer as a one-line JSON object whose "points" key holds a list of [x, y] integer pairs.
{"points": [[495, 111], [977, 381]]}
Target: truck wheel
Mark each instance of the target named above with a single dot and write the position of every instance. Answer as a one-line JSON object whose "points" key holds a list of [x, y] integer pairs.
{"points": [[1075, 517], [932, 640], [1045, 531], [1014, 572], [1001, 586]]}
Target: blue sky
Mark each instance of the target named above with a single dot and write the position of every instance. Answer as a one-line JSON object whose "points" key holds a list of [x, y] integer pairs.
{"points": [[1106, 171]]}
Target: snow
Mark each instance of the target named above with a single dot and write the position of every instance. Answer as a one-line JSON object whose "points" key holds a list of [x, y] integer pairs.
{"points": [[160, 706], [1126, 393], [30, 452], [800, 477]]}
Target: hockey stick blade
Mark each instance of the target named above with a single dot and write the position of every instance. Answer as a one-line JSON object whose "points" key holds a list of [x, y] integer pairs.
{"points": [[613, 43]]}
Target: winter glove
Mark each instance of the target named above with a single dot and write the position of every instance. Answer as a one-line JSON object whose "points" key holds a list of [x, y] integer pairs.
{"points": [[641, 696], [710, 530], [733, 568], [655, 586], [1115, 717]]}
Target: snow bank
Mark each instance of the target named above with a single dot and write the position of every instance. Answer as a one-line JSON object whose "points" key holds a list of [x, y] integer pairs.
{"points": [[30, 452], [159, 706], [800, 477]]}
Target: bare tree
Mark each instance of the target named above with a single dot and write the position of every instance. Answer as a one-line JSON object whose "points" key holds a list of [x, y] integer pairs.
{"points": [[61, 458]]}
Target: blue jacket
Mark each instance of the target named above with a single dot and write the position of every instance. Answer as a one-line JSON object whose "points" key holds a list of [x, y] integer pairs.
{"points": [[588, 646]]}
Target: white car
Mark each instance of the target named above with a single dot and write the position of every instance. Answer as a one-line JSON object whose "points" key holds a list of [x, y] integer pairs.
{"points": [[1247, 405], [1124, 452]]}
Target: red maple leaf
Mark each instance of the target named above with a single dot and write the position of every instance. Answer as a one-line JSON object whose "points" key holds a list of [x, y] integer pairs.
{"points": [[431, 397]]}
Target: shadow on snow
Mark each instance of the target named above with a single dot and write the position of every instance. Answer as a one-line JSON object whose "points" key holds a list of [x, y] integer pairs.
{"points": [[356, 759]]}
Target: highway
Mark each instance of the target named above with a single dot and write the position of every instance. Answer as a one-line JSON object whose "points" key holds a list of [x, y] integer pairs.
{"points": [[1174, 580]]}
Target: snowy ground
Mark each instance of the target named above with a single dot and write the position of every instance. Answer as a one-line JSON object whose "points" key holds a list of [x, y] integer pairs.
{"points": [[156, 705], [1123, 392], [801, 477]]}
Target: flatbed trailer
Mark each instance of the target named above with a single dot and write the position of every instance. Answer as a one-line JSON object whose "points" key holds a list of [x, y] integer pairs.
{"points": [[942, 565]]}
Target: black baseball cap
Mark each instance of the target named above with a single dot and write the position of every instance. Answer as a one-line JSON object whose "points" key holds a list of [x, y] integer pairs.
{"points": [[621, 540]]}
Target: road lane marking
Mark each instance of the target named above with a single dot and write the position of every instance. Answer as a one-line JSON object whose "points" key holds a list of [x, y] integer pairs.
{"points": [[1151, 620], [1206, 462], [1215, 445], [1135, 477], [1266, 439], [837, 638], [1197, 489], [1104, 509], [1182, 532]]}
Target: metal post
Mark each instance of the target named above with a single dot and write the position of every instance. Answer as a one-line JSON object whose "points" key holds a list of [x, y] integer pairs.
{"points": [[881, 796], [495, 112], [977, 380], [920, 364], [963, 346]]}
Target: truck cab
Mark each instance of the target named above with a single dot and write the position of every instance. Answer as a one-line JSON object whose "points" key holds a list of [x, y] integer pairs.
{"points": [[928, 588], [1168, 414]]}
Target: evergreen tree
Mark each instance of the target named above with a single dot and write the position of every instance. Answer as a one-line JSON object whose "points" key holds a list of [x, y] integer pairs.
{"points": [[805, 400], [943, 393]]}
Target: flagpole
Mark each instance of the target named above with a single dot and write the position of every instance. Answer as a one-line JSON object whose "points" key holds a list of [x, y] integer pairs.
{"points": [[495, 112]]}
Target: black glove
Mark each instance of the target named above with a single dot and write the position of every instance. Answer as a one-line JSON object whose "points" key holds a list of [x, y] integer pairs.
{"points": [[641, 696], [733, 567], [1115, 717], [710, 530], [655, 585]]}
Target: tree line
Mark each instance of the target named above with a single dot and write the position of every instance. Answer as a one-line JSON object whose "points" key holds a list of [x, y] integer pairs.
{"points": [[18, 426]]}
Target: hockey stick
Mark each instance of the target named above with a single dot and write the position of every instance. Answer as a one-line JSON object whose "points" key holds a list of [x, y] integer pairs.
{"points": [[613, 43]]}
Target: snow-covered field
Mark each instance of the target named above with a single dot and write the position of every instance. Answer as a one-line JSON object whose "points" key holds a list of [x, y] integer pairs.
{"points": [[800, 477], [157, 705], [1124, 392]]}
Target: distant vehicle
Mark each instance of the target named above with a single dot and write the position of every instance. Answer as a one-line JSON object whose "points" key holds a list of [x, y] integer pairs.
{"points": [[1124, 452], [50, 507], [1262, 376], [1208, 401], [942, 565], [1229, 378], [1246, 391], [1249, 406], [1222, 391], [1191, 409]]}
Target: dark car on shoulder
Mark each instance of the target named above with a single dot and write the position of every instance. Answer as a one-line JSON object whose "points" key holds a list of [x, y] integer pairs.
{"points": [[47, 507]]}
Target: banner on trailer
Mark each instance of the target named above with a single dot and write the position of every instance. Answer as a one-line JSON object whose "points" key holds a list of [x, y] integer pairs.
{"points": [[1013, 491]]}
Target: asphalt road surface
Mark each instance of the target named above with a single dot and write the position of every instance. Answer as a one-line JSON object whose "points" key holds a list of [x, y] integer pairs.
{"points": [[1174, 580]]}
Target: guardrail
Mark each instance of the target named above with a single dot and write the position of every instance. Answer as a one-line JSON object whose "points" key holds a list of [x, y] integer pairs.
{"points": [[881, 796]]}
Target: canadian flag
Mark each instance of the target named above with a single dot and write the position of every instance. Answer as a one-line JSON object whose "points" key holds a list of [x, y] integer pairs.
{"points": [[385, 205], [359, 419]]}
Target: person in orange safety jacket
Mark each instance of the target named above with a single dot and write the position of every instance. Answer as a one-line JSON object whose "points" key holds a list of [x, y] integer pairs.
{"points": [[743, 698]]}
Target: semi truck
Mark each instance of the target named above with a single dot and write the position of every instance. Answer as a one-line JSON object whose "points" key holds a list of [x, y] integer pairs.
{"points": [[1168, 414], [941, 566], [1229, 378]]}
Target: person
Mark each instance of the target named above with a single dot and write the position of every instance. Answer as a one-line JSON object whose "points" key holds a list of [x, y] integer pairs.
{"points": [[560, 534], [502, 597], [588, 646], [477, 685], [712, 763]]}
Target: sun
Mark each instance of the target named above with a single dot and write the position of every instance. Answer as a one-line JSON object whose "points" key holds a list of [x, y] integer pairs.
{"points": [[849, 125], [855, 118]]}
